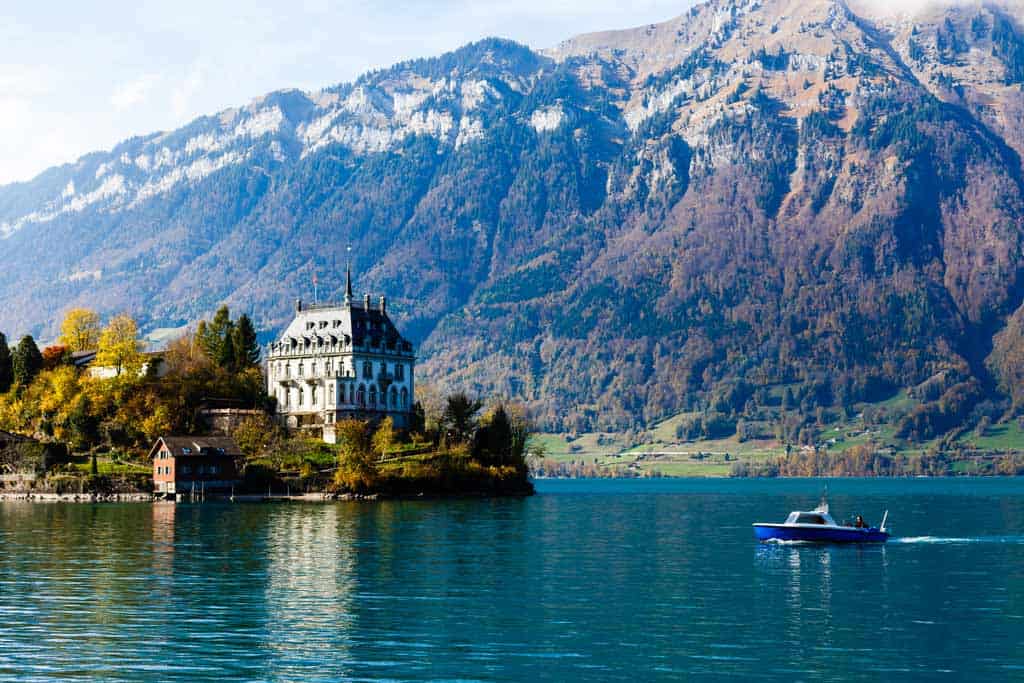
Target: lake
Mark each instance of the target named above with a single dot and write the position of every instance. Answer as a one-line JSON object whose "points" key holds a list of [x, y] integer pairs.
{"points": [[588, 580]]}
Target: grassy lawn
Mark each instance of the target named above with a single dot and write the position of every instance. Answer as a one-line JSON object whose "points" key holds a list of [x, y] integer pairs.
{"points": [[665, 432], [108, 468], [583, 447], [1001, 437]]}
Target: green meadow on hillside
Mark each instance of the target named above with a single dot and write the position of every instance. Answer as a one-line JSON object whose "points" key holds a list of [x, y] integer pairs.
{"points": [[871, 430]]}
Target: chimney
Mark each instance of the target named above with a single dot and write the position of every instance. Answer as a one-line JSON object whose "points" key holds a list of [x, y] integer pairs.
{"points": [[366, 302], [383, 305], [298, 305]]}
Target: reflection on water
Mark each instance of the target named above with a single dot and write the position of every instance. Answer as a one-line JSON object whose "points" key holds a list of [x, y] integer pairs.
{"points": [[308, 594], [593, 581]]}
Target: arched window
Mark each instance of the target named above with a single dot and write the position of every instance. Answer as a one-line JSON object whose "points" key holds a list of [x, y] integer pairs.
{"points": [[312, 397], [373, 397], [405, 398], [302, 396], [394, 398], [367, 370], [300, 368], [361, 399]]}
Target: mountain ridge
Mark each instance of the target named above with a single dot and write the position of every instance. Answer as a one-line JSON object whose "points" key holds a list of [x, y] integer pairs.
{"points": [[615, 229]]}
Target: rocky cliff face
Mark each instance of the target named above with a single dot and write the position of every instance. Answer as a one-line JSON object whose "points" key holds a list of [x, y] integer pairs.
{"points": [[613, 230]]}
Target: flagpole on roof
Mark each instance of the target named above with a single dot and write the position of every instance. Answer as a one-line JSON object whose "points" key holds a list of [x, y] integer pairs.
{"points": [[348, 276]]}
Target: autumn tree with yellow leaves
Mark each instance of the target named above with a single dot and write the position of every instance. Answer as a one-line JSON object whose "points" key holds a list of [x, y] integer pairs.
{"points": [[80, 330], [120, 348]]}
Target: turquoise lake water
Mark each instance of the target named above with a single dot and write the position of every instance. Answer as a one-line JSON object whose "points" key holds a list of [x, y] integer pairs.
{"points": [[588, 581]]}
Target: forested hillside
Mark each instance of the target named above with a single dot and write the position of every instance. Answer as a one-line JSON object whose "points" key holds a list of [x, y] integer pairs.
{"points": [[633, 224]]}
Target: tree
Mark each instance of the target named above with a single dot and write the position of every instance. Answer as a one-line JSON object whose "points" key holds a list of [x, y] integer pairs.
{"points": [[82, 424], [26, 361], [185, 355], [493, 440], [431, 403], [215, 335], [384, 437], [80, 330], [255, 434], [459, 417], [54, 356], [247, 349], [120, 348], [6, 366], [227, 357], [356, 468]]}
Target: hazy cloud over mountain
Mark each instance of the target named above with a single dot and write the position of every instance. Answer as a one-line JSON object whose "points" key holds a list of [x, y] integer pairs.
{"points": [[87, 76]]}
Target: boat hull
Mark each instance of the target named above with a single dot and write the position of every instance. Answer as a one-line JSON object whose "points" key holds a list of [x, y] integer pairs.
{"points": [[783, 532]]}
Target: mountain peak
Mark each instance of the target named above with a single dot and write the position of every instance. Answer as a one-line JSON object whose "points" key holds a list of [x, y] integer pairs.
{"points": [[611, 231]]}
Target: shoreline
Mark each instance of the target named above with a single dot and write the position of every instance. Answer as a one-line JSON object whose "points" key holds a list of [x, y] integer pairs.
{"points": [[253, 498]]}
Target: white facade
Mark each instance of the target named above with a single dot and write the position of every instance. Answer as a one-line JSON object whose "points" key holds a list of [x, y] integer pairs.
{"points": [[339, 361]]}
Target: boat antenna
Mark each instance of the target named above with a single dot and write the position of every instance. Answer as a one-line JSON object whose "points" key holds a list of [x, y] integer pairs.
{"points": [[884, 517]]}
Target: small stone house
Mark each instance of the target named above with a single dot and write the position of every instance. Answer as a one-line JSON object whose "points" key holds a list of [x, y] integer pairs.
{"points": [[194, 465]]}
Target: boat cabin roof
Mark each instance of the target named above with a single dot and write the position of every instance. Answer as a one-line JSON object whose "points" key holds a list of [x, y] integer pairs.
{"points": [[815, 517]]}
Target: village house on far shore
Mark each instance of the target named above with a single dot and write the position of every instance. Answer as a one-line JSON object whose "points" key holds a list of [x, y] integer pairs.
{"points": [[194, 466], [341, 361]]}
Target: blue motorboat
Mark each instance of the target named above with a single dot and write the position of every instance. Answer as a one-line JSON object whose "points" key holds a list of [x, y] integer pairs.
{"points": [[817, 526]]}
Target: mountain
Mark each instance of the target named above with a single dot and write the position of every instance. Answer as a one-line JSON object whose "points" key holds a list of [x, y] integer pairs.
{"points": [[631, 224]]}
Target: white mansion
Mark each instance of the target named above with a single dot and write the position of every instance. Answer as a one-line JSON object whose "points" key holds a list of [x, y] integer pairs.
{"points": [[339, 361]]}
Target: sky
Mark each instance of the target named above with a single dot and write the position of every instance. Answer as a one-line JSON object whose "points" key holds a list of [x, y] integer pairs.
{"points": [[77, 77]]}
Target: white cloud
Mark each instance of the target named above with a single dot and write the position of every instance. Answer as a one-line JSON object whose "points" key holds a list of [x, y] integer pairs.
{"points": [[96, 73], [134, 92]]}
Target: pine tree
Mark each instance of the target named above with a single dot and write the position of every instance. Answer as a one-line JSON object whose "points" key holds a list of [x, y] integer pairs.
{"points": [[460, 417], [247, 349], [6, 366], [227, 357], [27, 361], [215, 338]]}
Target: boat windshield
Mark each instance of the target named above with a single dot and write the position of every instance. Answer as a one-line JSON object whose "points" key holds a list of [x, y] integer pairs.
{"points": [[806, 518]]}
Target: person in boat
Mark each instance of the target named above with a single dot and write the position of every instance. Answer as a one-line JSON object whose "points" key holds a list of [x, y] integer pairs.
{"points": [[860, 523]]}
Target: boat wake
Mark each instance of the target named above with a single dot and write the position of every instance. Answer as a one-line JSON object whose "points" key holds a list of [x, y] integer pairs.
{"points": [[953, 540], [782, 541]]}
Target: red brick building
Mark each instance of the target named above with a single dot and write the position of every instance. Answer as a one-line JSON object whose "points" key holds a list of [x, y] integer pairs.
{"points": [[183, 465]]}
